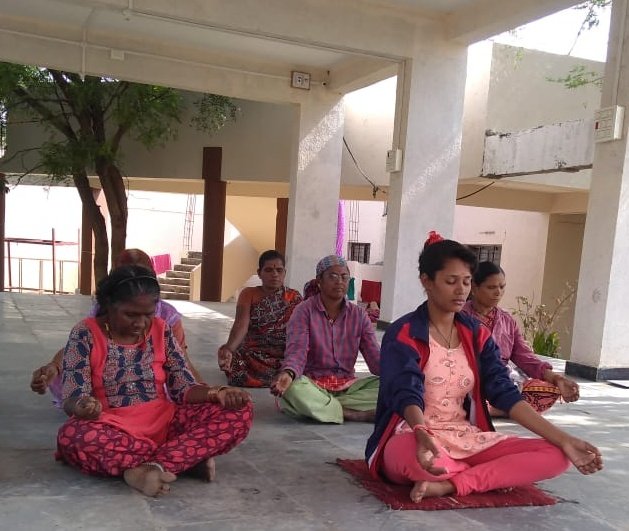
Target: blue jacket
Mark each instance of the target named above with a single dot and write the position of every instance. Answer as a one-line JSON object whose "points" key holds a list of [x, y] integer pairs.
{"points": [[403, 355]]}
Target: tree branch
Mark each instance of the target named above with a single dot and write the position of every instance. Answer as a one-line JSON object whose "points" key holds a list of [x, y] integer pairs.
{"points": [[20, 152], [28, 172], [122, 87], [81, 117], [117, 138], [45, 113]]}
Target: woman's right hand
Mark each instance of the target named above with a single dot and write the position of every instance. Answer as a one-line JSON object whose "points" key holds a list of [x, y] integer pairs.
{"points": [[426, 453], [87, 408], [281, 383], [224, 358], [42, 377], [585, 457]]}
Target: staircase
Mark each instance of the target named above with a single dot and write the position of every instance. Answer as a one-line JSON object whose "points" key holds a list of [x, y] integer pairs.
{"points": [[176, 283]]}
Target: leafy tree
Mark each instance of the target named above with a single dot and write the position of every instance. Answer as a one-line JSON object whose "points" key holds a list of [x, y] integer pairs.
{"points": [[579, 75], [86, 119]]}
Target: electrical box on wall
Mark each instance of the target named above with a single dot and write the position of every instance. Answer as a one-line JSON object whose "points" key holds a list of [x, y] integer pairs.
{"points": [[608, 123], [394, 160], [300, 80]]}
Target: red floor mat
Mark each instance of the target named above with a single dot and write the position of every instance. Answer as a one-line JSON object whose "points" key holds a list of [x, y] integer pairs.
{"points": [[397, 496]]}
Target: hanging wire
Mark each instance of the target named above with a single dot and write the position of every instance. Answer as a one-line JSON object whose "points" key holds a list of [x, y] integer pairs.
{"points": [[477, 191], [374, 187]]}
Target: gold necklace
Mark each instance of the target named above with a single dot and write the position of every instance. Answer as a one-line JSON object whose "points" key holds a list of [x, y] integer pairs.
{"points": [[448, 341]]}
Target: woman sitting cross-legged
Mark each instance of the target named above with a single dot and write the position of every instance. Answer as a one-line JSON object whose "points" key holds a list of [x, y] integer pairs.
{"points": [[437, 369], [540, 385], [136, 408], [49, 376], [255, 348]]}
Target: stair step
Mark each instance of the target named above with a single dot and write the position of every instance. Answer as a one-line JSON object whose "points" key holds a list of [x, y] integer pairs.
{"points": [[191, 261], [174, 288], [173, 295], [195, 254], [170, 281], [177, 274], [184, 267]]}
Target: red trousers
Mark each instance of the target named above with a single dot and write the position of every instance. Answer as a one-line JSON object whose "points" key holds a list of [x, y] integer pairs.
{"points": [[196, 433], [512, 462]]}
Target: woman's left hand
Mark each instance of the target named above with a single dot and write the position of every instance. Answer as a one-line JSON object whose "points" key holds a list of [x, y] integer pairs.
{"points": [[233, 398], [585, 457], [568, 388]]}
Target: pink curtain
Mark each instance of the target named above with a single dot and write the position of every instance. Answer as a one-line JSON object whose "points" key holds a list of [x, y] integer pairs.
{"points": [[340, 230], [161, 263]]}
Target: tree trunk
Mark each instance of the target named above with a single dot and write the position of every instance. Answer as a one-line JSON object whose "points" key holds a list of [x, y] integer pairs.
{"points": [[97, 221], [115, 193]]}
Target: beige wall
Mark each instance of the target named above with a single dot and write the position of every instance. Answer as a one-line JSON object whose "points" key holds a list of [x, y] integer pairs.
{"points": [[523, 239], [253, 231], [255, 147], [254, 217], [240, 261], [369, 114], [520, 96], [563, 260]]}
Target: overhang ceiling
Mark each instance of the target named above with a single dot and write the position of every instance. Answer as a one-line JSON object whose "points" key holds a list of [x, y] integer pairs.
{"points": [[252, 44]]}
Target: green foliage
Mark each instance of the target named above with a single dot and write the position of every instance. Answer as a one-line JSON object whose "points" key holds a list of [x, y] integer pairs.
{"points": [[546, 344], [213, 112], [538, 321], [87, 118], [578, 76], [591, 19]]}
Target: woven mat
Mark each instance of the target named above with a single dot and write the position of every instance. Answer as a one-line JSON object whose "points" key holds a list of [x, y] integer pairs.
{"points": [[397, 496]]}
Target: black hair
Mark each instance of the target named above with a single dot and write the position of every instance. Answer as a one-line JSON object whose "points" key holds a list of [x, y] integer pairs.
{"points": [[486, 269], [123, 284], [271, 254], [435, 255]]}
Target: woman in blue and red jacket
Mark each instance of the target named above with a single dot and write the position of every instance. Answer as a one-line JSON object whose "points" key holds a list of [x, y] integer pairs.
{"points": [[438, 368]]}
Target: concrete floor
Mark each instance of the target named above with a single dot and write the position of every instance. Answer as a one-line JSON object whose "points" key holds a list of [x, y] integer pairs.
{"points": [[281, 477]]}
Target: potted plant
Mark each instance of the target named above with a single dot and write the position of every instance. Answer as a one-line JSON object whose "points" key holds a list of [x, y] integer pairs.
{"points": [[538, 321]]}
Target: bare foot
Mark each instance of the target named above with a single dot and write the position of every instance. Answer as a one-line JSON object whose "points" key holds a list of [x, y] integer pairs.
{"points": [[150, 480], [359, 416], [428, 489], [205, 470]]}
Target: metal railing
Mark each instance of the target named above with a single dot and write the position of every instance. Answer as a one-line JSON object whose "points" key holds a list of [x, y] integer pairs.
{"points": [[25, 275]]}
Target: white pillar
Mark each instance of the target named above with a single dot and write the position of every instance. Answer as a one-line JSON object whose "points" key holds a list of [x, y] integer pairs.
{"points": [[600, 340], [428, 123], [314, 187]]}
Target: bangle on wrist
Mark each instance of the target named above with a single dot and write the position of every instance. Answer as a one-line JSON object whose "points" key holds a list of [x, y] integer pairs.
{"points": [[291, 373]]}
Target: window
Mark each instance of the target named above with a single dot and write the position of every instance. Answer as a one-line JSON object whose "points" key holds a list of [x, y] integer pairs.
{"points": [[487, 253], [359, 252]]}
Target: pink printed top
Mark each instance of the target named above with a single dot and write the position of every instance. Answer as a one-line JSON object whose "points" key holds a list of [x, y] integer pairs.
{"points": [[513, 347], [128, 373], [448, 380]]}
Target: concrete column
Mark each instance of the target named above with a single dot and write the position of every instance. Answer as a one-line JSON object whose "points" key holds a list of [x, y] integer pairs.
{"points": [[214, 200], [428, 124], [314, 187], [600, 339], [281, 220]]}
